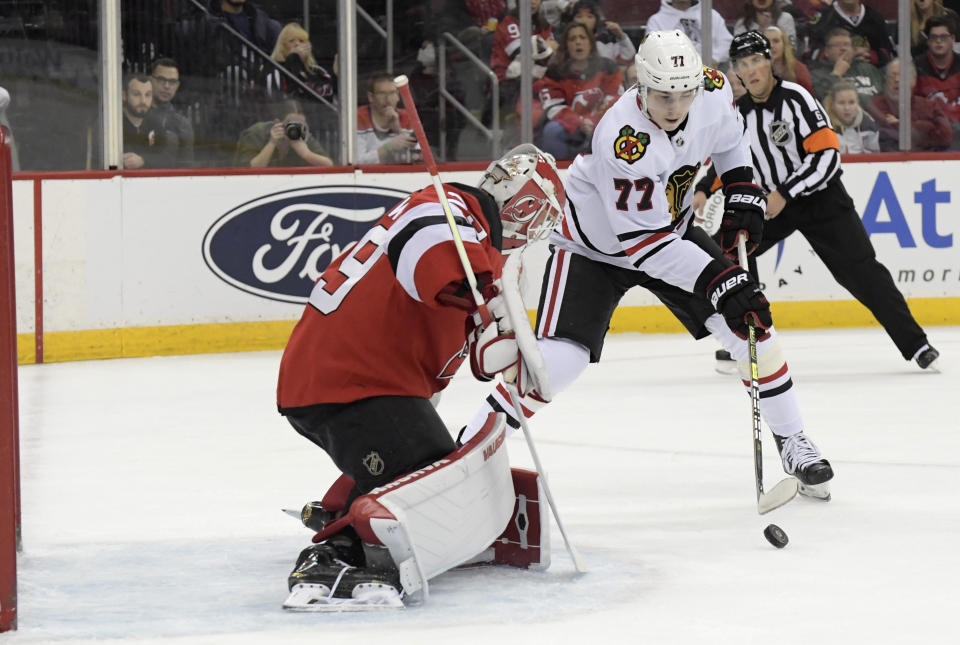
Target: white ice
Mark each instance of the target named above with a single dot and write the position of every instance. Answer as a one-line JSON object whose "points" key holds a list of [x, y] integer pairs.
{"points": [[152, 491]]}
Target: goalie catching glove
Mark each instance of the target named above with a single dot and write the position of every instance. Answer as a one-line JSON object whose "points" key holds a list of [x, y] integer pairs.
{"points": [[737, 297], [744, 208], [494, 349]]}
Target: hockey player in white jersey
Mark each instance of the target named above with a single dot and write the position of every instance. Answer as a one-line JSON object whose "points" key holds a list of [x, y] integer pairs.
{"points": [[627, 222]]}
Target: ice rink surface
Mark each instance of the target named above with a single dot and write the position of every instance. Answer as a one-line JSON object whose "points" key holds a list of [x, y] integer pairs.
{"points": [[152, 491]]}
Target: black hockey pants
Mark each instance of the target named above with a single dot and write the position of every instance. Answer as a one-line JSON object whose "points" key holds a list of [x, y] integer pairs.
{"points": [[829, 221]]}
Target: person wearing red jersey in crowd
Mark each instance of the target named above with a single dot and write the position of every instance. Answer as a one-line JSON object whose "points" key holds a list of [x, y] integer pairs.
{"points": [[384, 130], [386, 327], [938, 70], [577, 89], [930, 127], [504, 58], [505, 55]]}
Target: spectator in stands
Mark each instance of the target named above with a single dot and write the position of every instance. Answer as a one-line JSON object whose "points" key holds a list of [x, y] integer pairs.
{"points": [[249, 20], [938, 69], [611, 40], [4, 103], [930, 126], [505, 55], [295, 53], [871, 41], [840, 61], [785, 63], [857, 132], [760, 14], [685, 16], [920, 12], [176, 127], [385, 131], [284, 141], [577, 89], [143, 140]]}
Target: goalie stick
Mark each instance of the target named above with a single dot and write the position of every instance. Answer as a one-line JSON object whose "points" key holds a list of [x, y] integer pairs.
{"points": [[403, 87], [785, 489]]}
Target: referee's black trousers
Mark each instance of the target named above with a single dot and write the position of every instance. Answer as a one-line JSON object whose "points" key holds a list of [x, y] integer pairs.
{"points": [[829, 221]]}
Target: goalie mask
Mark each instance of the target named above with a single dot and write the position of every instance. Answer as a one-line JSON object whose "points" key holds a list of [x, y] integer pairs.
{"points": [[667, 61], [528, 192]]}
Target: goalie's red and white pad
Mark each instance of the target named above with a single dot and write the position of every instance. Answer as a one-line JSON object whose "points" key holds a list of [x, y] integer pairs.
{"points": [[525, 543], [435, 518]]}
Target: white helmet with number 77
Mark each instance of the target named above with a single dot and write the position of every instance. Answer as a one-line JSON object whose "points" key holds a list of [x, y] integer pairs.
{"points": [[668, 62], [528, 192]]}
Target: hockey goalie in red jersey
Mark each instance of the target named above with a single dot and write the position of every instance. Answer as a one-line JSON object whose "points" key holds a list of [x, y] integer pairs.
{"points": [[386, 327]]}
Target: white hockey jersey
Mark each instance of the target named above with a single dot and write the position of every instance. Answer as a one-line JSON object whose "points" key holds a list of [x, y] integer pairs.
{"points": [[630, 201]]}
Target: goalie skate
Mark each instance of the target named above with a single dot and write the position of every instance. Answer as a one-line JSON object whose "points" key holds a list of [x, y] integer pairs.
{"points": [[315, 597], [324, 581]]}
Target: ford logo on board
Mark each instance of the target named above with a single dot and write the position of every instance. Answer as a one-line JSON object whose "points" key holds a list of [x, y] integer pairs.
{"points": [[277, 246]]}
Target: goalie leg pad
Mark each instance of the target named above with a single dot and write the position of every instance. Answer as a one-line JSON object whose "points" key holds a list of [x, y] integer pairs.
{"points": [[435, 518], [525, 543]]}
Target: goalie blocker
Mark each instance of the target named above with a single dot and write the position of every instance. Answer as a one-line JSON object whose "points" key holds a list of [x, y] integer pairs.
{"points": [[467, 508]]}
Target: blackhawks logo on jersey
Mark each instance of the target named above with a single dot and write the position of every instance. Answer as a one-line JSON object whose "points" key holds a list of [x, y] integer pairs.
{"points": [[712, 79], [678, 185], [630, 145]]}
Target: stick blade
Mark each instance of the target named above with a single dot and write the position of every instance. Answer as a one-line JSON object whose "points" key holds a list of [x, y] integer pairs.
{"points": [[578, 562], [783, 492]]}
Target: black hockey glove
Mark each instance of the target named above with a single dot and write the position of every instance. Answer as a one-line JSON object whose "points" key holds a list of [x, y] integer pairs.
{"points": [[743, 210], [737, 297]]}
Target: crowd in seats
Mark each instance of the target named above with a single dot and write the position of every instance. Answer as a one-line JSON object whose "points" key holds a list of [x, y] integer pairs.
{"points": [[206, 81]]}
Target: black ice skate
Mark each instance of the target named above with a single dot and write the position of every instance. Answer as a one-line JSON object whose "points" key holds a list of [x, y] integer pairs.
{"points": [[324, 579], [927, 358], [802, 460]]}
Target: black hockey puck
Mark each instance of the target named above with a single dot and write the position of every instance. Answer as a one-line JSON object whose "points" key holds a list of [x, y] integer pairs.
{"points": [[775, 536]]}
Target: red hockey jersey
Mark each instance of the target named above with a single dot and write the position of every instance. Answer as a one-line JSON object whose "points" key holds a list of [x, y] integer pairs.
{"points": [[373, 326], [569, 97], [506, 42]]}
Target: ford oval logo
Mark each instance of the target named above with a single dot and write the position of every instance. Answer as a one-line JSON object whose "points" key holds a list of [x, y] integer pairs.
{"points": [[278, 245]]}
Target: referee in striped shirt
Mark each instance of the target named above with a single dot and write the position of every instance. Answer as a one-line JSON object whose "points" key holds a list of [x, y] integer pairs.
{"points": [[797, 159]]}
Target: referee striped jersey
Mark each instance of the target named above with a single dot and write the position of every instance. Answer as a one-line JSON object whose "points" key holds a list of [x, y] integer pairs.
{"points": [[794, 149]]}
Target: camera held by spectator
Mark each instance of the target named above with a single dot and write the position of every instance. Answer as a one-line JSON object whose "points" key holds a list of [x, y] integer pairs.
{"points": [[295, 130]]}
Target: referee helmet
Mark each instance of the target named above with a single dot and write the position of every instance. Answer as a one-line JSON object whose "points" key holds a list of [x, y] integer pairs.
{"points": [[748, 44]]}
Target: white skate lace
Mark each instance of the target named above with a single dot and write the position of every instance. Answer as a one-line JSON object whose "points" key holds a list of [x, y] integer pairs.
{"points": [[336, 583], [798, 452]]}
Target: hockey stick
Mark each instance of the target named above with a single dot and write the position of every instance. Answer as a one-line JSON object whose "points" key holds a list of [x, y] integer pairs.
{"points": [[578, 562], [786, 489], [404, 88]]}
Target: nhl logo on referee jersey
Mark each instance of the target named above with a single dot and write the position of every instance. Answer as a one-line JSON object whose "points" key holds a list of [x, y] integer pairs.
{"points": [[780, 133], [630, 145], [373, 463]]}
